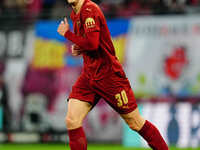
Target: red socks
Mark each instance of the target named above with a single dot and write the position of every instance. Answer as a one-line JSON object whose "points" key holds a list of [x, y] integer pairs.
{"points": [[151, 134], [77, 139]]}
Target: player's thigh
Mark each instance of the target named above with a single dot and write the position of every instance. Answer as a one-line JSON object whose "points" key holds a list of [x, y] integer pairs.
{"points": [[117, 92], [81, 90], [76, 112], [134, 120]]}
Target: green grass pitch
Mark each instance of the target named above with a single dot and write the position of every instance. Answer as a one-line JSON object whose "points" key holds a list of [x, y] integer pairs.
{"points": [[63, 147]]}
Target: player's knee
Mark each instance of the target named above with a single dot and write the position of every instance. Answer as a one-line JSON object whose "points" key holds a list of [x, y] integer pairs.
{"points": [[72, 122], [134, 126], [136, 123]]}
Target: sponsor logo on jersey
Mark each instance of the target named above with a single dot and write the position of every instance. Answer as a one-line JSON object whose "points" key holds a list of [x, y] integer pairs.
{"points": [[89, 23]]}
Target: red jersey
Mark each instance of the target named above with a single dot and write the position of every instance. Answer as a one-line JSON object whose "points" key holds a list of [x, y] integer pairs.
{"points": [[101, 61]]}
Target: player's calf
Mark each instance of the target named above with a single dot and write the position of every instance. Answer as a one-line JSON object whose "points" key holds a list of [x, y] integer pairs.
{"points": [[134, 120], [76, 112], [147, 130]]}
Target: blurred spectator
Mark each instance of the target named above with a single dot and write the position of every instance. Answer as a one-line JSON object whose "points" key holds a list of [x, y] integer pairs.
{"points": [[176, 6], [158, 7], [193, 6], [134, 7], [193, 2], [11, 14], [60, 9], [47, 8], [33, 9], [109, 9], [20, 11]]}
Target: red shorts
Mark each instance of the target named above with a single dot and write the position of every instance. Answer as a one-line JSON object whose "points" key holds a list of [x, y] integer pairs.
{"points": [[115, 89]]}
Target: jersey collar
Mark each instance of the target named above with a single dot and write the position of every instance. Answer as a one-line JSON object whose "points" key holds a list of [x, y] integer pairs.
{"points": [[75, 16]]}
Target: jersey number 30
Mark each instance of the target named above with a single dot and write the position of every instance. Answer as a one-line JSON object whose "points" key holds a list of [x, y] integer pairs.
{"points": [[121, 98]]}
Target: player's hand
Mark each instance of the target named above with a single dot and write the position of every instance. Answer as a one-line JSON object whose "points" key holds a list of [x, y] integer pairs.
{"points": [[63, 27], [76, 50]]}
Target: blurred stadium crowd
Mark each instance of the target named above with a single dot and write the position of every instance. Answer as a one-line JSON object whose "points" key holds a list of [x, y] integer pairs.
{"points": [[26, 11]]}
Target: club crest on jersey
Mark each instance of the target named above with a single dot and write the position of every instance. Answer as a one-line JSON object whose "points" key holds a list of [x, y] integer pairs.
{"points": [[89, 23]]}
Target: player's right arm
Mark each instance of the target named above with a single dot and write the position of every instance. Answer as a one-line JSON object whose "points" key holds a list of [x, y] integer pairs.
{"points": [[89, 42], [91, 22]]}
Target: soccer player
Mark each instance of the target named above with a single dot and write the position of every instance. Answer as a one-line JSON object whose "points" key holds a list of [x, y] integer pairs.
{"points": [[102, 77]]}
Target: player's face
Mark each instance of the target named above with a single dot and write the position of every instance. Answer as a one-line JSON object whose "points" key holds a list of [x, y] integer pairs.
{"points": [[72, 2]]}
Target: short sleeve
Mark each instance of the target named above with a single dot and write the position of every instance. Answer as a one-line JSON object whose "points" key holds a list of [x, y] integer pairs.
{"points": [[91, 20]]}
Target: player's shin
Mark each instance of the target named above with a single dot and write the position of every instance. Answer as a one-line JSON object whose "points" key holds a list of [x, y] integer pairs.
{"points": [[77, 139], [153, 137]]}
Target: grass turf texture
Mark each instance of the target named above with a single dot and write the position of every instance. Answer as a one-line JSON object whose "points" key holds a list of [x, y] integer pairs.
{"points": [[63, 147]]}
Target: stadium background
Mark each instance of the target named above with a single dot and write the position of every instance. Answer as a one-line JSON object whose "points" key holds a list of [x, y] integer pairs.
{"points": [[156, 41]]}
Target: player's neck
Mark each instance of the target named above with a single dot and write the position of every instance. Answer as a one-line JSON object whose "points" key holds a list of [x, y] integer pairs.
{"points": [[78, 6]]}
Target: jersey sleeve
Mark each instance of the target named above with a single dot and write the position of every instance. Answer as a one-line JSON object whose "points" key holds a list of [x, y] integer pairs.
{"points": [[91, 20], [89, 42]]}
